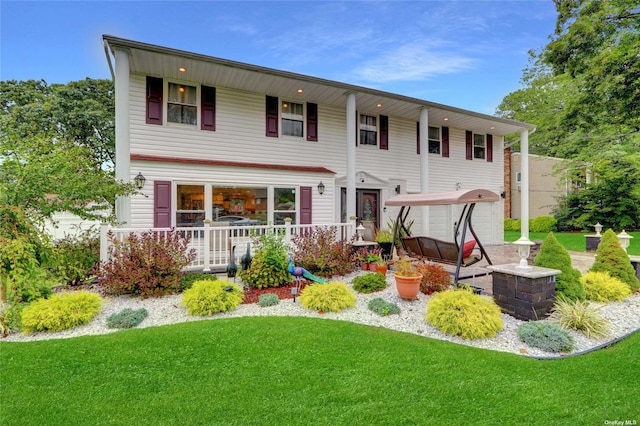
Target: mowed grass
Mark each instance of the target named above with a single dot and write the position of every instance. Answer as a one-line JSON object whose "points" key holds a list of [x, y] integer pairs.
{"points": [[305, 371], [574, 241]]}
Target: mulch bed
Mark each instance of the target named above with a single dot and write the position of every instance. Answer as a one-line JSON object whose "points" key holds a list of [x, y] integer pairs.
{"points": [[251, 295]]}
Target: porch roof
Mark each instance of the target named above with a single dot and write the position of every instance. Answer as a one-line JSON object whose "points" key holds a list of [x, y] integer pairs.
{"points": [[149, 59]]}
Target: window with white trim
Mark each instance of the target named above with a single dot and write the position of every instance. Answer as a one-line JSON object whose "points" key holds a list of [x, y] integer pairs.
{"points": [[479, 146], [368, 130], [182, 105], [434, 140], [292, 119], [284, 205], [190, 205]]}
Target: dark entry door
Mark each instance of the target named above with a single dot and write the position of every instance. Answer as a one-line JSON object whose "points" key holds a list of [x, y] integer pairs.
{"points": [[367, 209]]}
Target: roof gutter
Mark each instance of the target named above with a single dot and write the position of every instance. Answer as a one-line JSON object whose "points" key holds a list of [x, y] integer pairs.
{"points": [[106, 52]]}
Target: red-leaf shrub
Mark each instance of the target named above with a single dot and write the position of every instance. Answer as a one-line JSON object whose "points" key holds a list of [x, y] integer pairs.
{"points": [[148, 264], [434, 278], [320, 252]]}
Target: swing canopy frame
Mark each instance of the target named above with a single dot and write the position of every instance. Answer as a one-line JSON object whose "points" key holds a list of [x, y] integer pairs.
{"points": [[435, 250]]}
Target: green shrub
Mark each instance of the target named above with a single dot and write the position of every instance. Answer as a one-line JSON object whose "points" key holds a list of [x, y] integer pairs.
{"points": [[61, 312], [434, 278], [322, 253], [611, 258], [368, 283], [187, 280], [461, 313], [382, 307], [546, 336], [269, 265], [127, 318], [581, 316], [542, 224], [149, 264], [553, 255], [512, 224], [268, 299], [76, 257], [210, 297], [331, 297], [602, 287]]}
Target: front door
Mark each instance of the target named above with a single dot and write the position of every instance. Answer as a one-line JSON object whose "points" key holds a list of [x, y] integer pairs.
{"points": [[367, 210]]}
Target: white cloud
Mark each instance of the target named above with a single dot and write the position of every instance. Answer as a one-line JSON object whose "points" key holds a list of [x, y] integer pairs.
{"points": [[413, 62]]}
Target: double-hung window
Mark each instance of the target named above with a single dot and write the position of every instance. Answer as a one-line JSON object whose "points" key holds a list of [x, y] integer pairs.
{"points": [[479, 147], [368, 130], [182, 104], [434, 140], [292, 119]]}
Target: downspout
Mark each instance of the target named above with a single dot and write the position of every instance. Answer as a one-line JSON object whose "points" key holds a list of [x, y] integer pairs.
{"points": [[106, 52]]}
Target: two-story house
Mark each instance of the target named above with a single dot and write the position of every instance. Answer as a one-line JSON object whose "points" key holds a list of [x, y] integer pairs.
{"points": [[222, 140]]}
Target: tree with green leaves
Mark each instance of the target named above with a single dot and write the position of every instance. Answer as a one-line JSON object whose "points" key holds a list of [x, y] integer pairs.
{"points": [[57, 147]]}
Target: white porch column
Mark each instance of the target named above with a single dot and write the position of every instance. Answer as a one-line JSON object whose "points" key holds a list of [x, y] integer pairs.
{"points": [[123, 172], [524, 185], [424, 165], [351, 154]]}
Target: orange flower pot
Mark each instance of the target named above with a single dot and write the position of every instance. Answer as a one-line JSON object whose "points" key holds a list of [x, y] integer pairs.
{"points": [[408, 287]]}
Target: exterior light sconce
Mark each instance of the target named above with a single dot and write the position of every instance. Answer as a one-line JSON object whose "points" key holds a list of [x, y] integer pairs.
{"points": [[524, 249], [598, 228], [624, 240], [397, 189], [359, 231], [321, 188], [503, 194], [139, 181]]}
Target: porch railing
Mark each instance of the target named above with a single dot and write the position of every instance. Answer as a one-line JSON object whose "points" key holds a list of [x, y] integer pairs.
{"points": [[214, 244]]}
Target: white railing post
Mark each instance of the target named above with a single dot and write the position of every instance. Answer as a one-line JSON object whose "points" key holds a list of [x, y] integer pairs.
{"points": [[287, 231], [352, 227], [207, 246], [104, 243]]}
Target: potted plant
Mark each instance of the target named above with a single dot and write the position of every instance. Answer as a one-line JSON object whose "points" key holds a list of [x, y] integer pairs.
{"points": [[372, 260], [381, 266], [384, 238], [407, 279]]}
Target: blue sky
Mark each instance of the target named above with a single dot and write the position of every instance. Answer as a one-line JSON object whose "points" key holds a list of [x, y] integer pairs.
{"points": [[468, 54]]}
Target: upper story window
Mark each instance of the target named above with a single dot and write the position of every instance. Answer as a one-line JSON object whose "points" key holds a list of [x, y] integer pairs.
{"points": [[368, 130], [434, 140], [479, 147], [292, 119], [182, 104]]}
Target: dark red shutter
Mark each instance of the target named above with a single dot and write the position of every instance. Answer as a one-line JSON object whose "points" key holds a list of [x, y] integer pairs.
{"points": [[384, 132], [312, 122], [306, 198], [418, 137], [490, 148], [272, 117], [208, 108], [154, 100], [445, 141], [161, 204], [469, 142]]}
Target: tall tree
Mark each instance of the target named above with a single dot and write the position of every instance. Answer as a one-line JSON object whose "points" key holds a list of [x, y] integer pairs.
{"points": [[56, 147]]}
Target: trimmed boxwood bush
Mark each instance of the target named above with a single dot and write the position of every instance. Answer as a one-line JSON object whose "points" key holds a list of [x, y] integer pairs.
{"points": [[546, 336], [382, 307], [331, 297], [461, 313], [61, 312], [187, 280], [602, 287], [543, 224], [268, 299], [210, 297], [368, 283], [553, 255], [611, 258], [127, 318]]}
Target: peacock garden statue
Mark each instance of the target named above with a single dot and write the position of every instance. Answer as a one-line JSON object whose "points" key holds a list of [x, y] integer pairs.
{"points": [[299, 272]]}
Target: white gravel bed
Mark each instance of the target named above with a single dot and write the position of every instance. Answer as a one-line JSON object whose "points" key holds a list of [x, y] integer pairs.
{"points": [[624, 318]]}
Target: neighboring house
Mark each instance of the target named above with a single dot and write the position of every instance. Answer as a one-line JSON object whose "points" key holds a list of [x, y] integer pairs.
{"points": [[545, 185], [214, 138]]}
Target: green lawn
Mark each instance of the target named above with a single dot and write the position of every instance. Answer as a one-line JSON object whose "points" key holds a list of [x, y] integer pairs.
{"points": [[305, 371], [574, 241]]}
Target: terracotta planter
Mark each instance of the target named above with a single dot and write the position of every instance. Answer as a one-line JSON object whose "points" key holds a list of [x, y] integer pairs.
{"points": [[382, 269], [373, 267], [408, 287]]}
